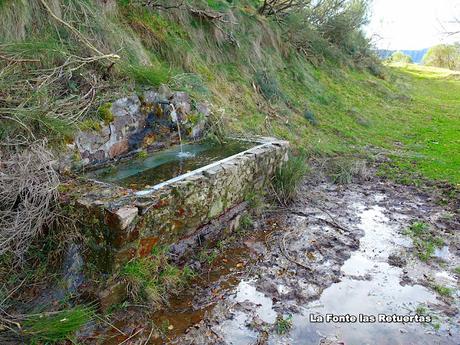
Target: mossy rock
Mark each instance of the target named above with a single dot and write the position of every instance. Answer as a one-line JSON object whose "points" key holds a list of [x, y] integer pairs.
{"points": [[105, 113], [90, 124]]}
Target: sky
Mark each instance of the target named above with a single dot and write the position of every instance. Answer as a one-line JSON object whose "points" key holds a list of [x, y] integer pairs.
{"points": [[413, 24]]}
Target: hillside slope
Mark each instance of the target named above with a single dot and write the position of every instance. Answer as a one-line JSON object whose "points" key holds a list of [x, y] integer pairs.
{"points": [[65, 59]]}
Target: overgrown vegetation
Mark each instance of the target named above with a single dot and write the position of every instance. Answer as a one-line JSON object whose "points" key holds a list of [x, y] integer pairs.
{"points": [[153, 278], [28, 195]]}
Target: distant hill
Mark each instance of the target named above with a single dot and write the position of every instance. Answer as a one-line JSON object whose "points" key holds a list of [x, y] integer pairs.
{"points": [[416, 55]]}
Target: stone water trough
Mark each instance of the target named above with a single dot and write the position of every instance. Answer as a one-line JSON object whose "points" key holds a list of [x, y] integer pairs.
{"points": [[182, 211]]}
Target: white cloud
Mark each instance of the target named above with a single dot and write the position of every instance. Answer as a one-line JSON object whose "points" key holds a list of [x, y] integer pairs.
{"points": [[413, 24]]}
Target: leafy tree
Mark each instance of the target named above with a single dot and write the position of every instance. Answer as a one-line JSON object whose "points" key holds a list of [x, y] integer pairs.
{"points": [[399, 56], [323, 28], [443, 55]]}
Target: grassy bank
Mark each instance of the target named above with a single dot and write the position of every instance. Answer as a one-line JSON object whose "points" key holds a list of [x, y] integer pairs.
{"points": [[414, 118], [326, 101]]}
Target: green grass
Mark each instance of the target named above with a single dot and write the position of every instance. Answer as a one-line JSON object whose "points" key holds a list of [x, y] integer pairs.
{"points": [[288, 177], [51, 328], [283, 325], [416, 119], [421, 310], [442, 290], [153, 279], [246, 221], [208, 256], [425, 243]]}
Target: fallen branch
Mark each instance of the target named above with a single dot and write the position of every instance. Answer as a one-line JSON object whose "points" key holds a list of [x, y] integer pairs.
{"points": [[9, 59], [206, 14], [282, 247], [331, 223]]}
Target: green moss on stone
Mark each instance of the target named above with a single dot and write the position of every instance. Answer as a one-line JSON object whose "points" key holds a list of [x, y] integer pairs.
{"points": [[105, 113]]}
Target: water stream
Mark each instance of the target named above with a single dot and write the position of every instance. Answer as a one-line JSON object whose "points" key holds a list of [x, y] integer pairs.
{"points": [[181, 154]]}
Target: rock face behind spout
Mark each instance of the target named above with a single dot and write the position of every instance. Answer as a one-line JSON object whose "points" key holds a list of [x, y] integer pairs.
{"points": [[149, 121]]}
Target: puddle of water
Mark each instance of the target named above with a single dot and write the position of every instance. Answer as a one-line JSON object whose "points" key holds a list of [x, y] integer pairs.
{"points": [[235, 331], [245, 292], [378, 292], [141, 172], [442, 253]]}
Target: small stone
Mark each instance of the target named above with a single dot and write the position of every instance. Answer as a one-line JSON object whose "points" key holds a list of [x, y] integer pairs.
{"points": [[164, 92], [396, 260], [124, 217], [182, 103], [151, 97], [126, 106]]}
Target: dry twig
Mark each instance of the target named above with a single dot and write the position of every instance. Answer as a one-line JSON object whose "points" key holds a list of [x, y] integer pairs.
{"points": [[28, 192]]}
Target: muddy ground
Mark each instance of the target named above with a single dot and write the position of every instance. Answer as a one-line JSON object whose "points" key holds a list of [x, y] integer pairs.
{"points": [[338, 250]]}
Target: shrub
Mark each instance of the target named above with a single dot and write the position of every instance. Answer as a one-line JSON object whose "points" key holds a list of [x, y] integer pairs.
{"points": [[28, 192], [269, 86], [399, 56]]}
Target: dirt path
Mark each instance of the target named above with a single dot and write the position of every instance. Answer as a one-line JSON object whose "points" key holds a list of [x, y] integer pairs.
{"points": [[343, 251]]}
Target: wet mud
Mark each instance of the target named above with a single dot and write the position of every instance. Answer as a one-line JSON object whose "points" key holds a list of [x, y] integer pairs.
{"points": [[338, 250]]}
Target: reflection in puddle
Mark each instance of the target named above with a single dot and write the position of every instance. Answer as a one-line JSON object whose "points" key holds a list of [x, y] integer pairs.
{"points": [[235, 331], [370, 286], [442, 253], [246, 292]]}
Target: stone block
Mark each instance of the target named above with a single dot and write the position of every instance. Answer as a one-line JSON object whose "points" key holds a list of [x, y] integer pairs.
{"points": [[118, 149]]}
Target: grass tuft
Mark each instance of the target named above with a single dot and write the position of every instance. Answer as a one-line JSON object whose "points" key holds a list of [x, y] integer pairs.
{"points": [[287, 179], [283, 325], [424, 242], [442, 290], [51, 328], [153, 278]]}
